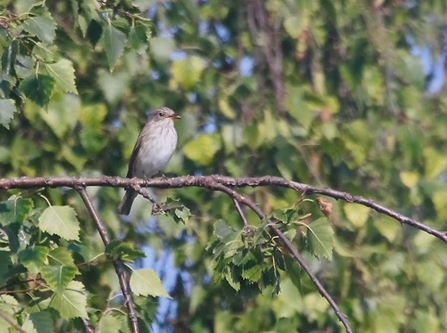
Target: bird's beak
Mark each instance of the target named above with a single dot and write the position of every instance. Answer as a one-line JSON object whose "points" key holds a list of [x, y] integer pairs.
{"points": [[175, 116]]}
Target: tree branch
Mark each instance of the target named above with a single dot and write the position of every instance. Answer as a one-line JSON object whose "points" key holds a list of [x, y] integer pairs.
{"points": [[119, 267], [203, 181], [288, 244]]}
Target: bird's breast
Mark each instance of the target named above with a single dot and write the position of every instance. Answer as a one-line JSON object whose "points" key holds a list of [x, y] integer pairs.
{"points": [[156, 151]]}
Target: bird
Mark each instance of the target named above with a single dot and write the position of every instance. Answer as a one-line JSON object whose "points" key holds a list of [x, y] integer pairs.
{"points": [[152, 151]]}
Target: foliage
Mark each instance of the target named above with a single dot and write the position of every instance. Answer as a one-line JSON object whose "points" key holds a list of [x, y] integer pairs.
{"points": [[325, 92]]}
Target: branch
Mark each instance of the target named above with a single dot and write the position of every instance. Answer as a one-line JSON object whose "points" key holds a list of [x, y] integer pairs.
{"points": [[288, 244], [204, 181], [119, 267]]}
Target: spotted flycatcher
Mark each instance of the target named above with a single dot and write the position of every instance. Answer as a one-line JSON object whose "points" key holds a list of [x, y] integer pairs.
{"points": [[153, 150]]}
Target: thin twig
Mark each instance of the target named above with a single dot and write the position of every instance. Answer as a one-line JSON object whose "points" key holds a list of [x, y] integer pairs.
{"points": [[144, 194], [239, 210], [203, 181], [11, 322], [118, 265], [87, 326]]}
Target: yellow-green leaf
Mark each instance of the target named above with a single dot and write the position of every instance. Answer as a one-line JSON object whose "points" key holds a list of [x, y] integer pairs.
{"points": [[202, 149], [438, 199], [435, 162], [187, 71], [409, 178], [60, 220], [320, 238], [72, 302], [63, 73], [146, 282], [388, 227], [356, 214]]}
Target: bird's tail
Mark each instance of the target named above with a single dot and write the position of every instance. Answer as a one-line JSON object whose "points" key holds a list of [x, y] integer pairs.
{"points": [[127, 201]]}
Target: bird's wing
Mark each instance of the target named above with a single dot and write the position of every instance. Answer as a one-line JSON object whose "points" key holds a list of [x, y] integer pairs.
{"points": [[133, 157]]}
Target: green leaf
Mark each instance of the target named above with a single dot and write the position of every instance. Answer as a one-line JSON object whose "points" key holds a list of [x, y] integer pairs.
{"points": [[320, 238], [409, 178], [62, 114], [61, 221], [109, 323], [7, 110], [113, 85], [187, 71], [388, 227], [42, 321], [5, 263], [162, 48], [145, 282], [356, 214], [425, 320], [202, 149], [72, 302], [138, 37], [43, 27], [252, 272], [24, 66], [182, 214], [438, 199], [63, 73], [114, 43], [93, 115], [60, 270], [58, 277], [222, 230], [14, 240], [178, 212], [123, 251], [28, 325], [296, 106], [33, 258], [8, 307], [289, 302], [294, 25], [15, 210], [38, 88], [435, 162]]}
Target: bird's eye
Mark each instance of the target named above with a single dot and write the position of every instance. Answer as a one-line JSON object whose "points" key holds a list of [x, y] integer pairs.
{"points": [[161, 114]]}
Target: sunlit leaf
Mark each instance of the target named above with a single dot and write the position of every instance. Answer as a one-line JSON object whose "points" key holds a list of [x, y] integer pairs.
{"points": [[187, 71], [438, 198], [202, 149], [388, 227], [409, 178], [110, 323], [62, 113], [7, 110], [71, 302], [43, 27], [60, 270], [435, 162], [60, 220], [320, 238], [146, 282], [161, 48], [63, 74], [356, 214]]}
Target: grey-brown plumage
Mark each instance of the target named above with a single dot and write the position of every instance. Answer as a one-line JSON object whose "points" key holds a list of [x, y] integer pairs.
{"points": [[153, 150]]}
